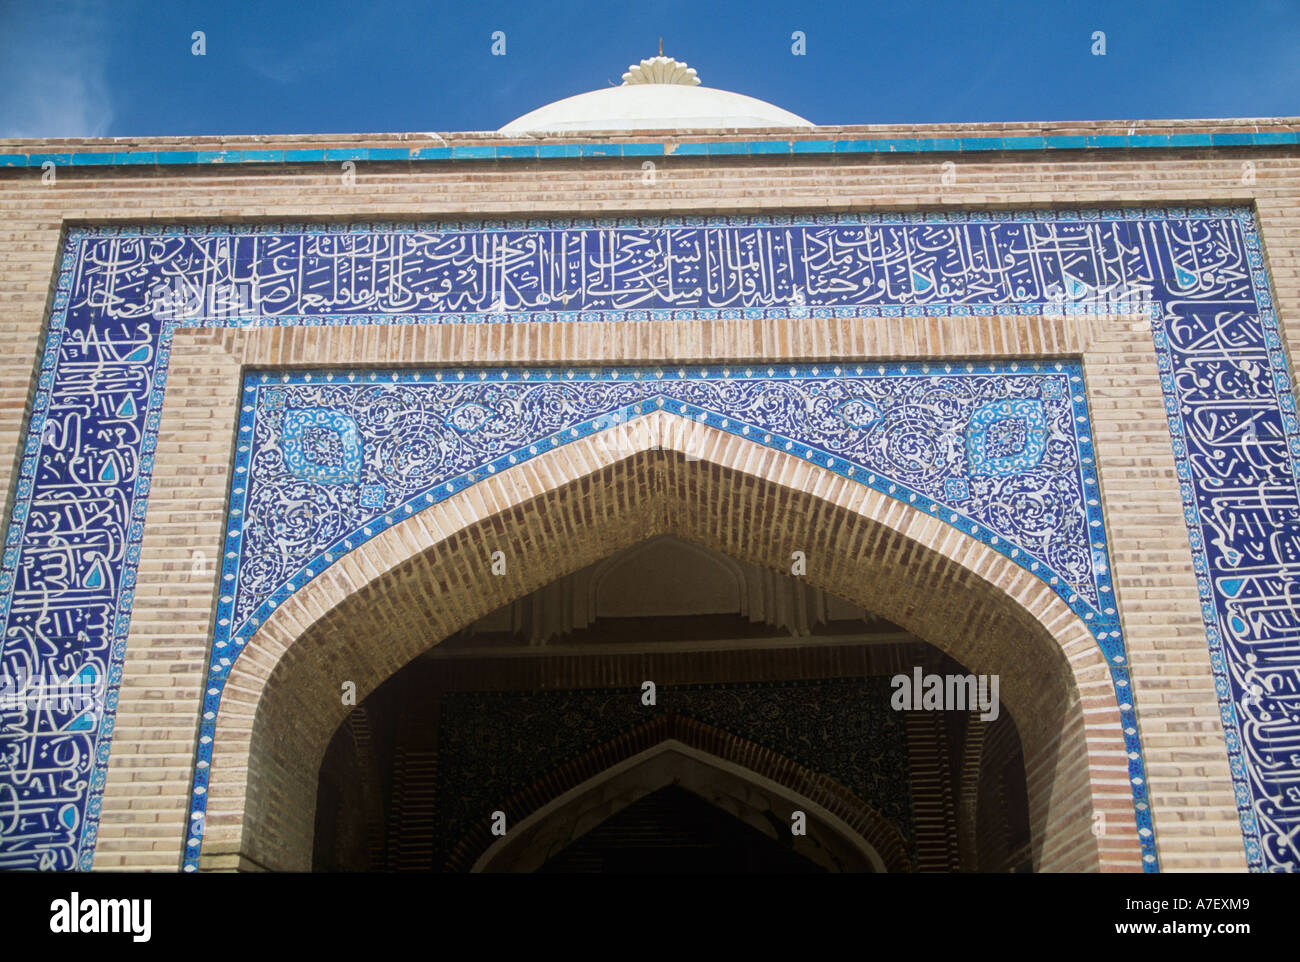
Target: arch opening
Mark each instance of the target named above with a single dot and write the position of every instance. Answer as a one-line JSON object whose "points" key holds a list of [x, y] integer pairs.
{"points": [[753, 505], [784, 680]]}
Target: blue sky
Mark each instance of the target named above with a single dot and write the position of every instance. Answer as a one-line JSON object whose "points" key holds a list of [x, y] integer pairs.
{"points": [[127, 68]]}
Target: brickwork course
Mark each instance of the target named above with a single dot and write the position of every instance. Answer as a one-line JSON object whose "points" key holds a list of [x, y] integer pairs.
{"points": [[579, 503]]}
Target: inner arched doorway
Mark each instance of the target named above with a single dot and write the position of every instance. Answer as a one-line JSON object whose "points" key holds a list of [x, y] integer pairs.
{"points": [[771, 698], [431, 576], [575, 828]]}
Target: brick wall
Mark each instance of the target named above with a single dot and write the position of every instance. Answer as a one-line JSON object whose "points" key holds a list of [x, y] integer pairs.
{"points": [[145, 803]]}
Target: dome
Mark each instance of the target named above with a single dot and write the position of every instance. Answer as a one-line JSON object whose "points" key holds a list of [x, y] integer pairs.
{"points": [[657, 94]]}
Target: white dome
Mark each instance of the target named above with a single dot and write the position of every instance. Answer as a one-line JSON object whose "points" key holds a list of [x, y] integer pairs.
{"points": [[647, 102]]}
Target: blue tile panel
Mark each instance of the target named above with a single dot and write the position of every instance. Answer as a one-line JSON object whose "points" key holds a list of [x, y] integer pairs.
{"points": [[1002, 451], [748, 148], [72, 542]]}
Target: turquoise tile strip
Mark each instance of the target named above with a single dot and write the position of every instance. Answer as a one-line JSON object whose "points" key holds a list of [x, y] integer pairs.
{"points": [[695, 148]]}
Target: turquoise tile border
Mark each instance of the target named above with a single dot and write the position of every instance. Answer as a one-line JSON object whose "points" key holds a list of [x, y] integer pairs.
{"points": [[696, 148]]}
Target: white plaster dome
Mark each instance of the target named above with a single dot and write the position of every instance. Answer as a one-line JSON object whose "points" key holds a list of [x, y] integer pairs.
{"points": [[657, 94]]}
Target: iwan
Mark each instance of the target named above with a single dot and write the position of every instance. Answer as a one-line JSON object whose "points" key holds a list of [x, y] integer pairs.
{"points": [[72, 916], [921, 692]]}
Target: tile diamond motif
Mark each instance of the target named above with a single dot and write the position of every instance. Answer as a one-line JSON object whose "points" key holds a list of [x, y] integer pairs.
{"points": [[321, 445], [1007, 437]]}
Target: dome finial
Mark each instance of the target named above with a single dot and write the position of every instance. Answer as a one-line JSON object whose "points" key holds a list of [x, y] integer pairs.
{"points": [[661, 70]]}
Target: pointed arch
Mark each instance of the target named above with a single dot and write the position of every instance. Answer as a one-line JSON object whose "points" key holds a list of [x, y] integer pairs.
{"points": [[752, 783], [428, 576], [613, 565]]}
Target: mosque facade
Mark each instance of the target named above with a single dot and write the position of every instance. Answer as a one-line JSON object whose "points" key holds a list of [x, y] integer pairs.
{"points": [[662, 482]]}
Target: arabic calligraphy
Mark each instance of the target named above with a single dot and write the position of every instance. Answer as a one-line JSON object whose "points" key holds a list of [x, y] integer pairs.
{"points": [[72, 541]]}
